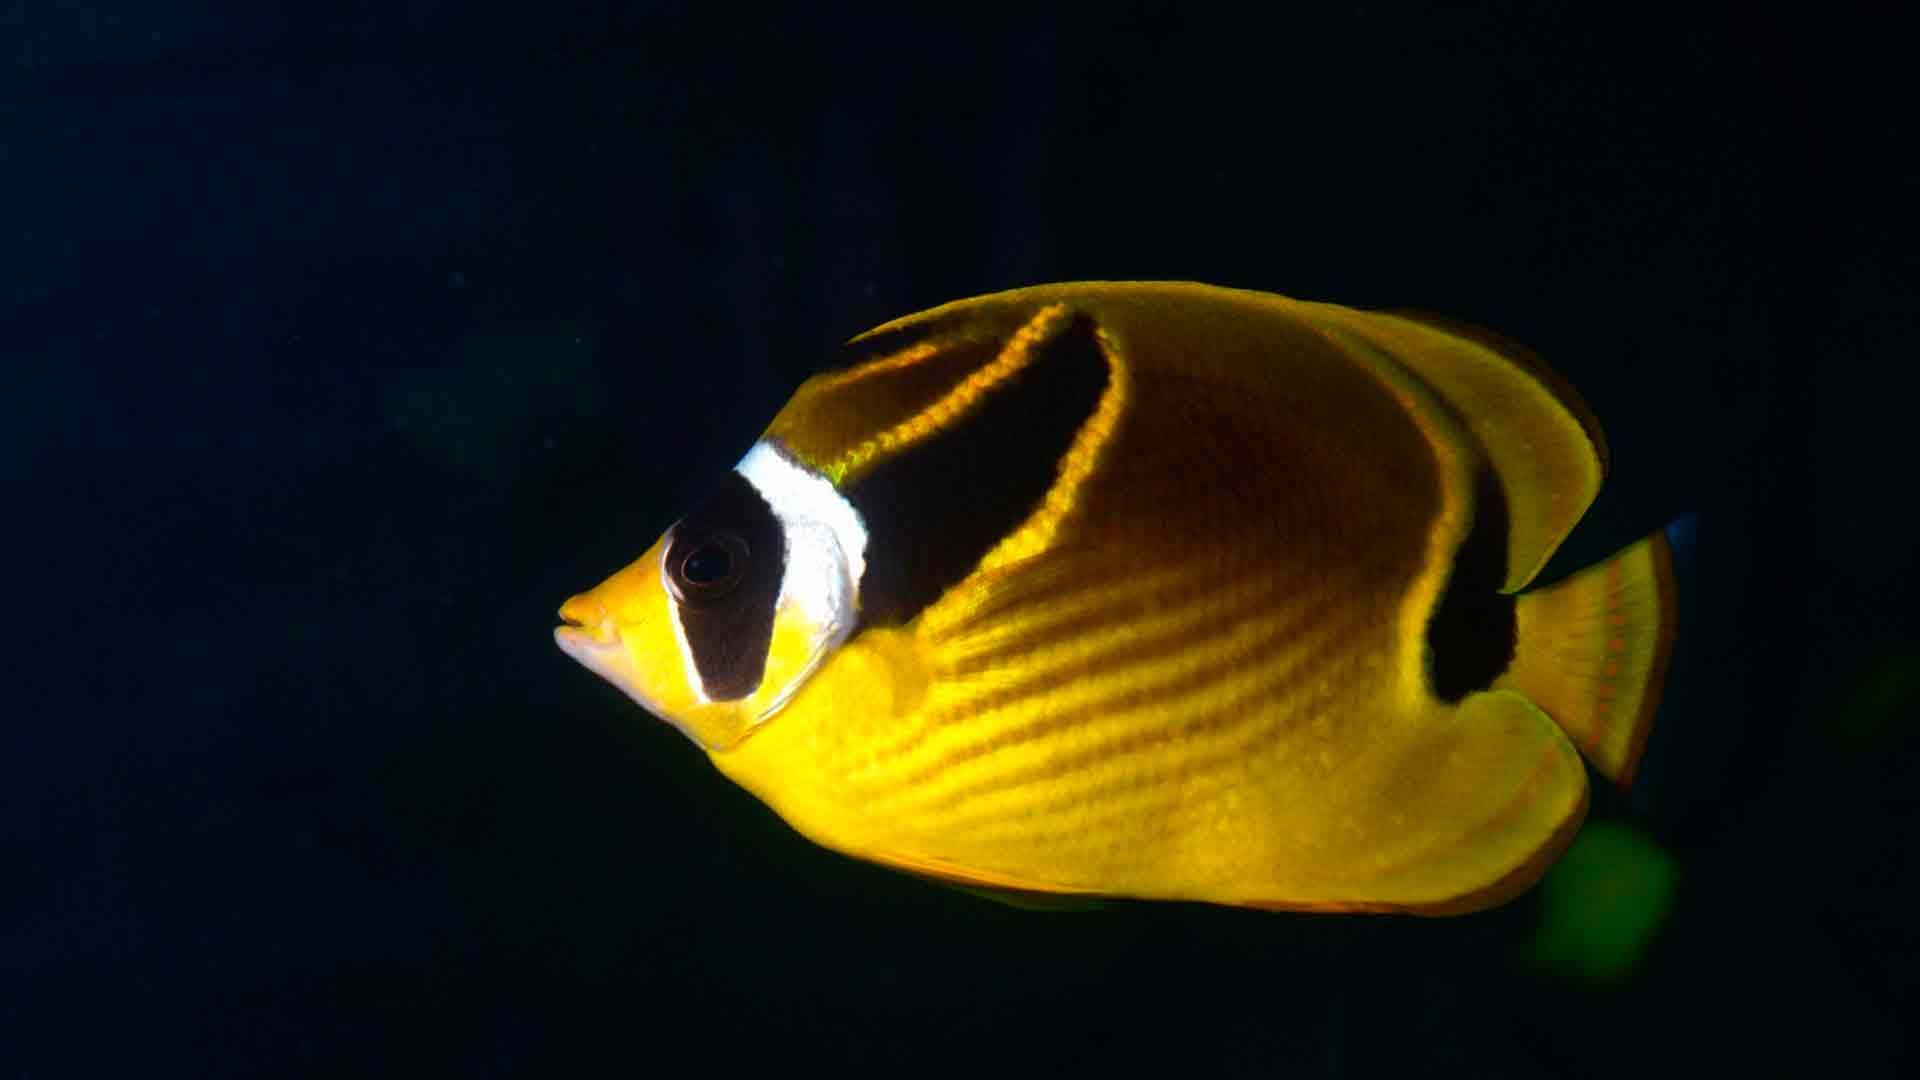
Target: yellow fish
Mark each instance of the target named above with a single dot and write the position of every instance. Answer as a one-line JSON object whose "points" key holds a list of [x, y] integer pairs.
{"points": [[1159, 590]]}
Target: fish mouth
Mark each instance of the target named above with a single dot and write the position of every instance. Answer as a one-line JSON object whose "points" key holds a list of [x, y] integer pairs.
{"points": [[583, 644], [588, 634], [592, 639], [598, 648], [584, 618]]}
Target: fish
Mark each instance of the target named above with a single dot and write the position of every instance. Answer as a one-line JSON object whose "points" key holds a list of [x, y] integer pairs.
{"points": [[1159, 591]]}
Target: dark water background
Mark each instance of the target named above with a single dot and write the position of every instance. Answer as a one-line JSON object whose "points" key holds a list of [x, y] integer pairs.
{"points": [[339, 343]]}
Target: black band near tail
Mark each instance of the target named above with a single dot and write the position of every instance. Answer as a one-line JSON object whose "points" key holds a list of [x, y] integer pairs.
{"points": [[1472, 633]]}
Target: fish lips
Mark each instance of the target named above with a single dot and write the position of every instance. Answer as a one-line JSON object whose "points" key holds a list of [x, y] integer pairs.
{"points": [[599, 649]]}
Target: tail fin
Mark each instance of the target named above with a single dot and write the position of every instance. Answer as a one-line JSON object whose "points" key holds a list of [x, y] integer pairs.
{"points": [[1592, 652]]}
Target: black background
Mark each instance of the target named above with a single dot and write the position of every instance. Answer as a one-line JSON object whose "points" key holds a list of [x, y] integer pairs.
{"points": [[341, 342]]}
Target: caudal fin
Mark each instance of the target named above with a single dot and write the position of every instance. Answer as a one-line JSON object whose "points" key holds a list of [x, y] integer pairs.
{"points": [[1592, 652]]}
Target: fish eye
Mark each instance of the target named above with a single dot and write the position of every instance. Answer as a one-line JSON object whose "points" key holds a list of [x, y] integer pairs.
{"points": [[707, 565], [702, 569]]}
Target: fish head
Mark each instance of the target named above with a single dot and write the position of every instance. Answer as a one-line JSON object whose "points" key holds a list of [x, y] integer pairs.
{"points": [[721, 622]]}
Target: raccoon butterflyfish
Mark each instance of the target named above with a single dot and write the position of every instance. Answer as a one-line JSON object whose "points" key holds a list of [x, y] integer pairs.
{"points": [[1163, 591]]}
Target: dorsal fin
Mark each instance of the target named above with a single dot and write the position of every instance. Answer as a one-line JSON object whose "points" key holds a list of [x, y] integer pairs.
{"points": [[1541, 439]]}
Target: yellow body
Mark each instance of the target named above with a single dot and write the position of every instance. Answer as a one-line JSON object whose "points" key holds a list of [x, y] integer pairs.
{"points": [[1197, 669]]}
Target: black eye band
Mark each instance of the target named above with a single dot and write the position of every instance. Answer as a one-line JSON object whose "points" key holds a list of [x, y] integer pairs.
{"points": [[723, 566]]}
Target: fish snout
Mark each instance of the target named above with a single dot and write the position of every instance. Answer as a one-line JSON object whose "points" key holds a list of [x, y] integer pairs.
{"points": [[586, 617]]}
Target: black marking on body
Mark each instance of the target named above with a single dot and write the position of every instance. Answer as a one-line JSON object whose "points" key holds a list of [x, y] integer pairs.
{"points": [[935, 509], [723, 564], [1472, 633]]}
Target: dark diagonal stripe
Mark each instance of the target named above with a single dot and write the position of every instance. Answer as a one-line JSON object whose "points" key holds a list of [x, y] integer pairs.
{"points": [[934, 508]]}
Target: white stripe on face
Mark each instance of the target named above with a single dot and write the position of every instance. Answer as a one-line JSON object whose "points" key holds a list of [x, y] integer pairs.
{"points": [[826, 553], [807, 504]]}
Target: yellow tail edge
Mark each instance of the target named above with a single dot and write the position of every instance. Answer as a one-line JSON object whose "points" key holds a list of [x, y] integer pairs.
{"points": [[1592, 652]]}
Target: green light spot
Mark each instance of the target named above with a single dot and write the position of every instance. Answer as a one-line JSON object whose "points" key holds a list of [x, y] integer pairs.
{"points": [[1887, 693], [1602, 904]]}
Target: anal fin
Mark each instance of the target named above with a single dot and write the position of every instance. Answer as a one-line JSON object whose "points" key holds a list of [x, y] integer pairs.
{"points": [[1465, 814]]}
